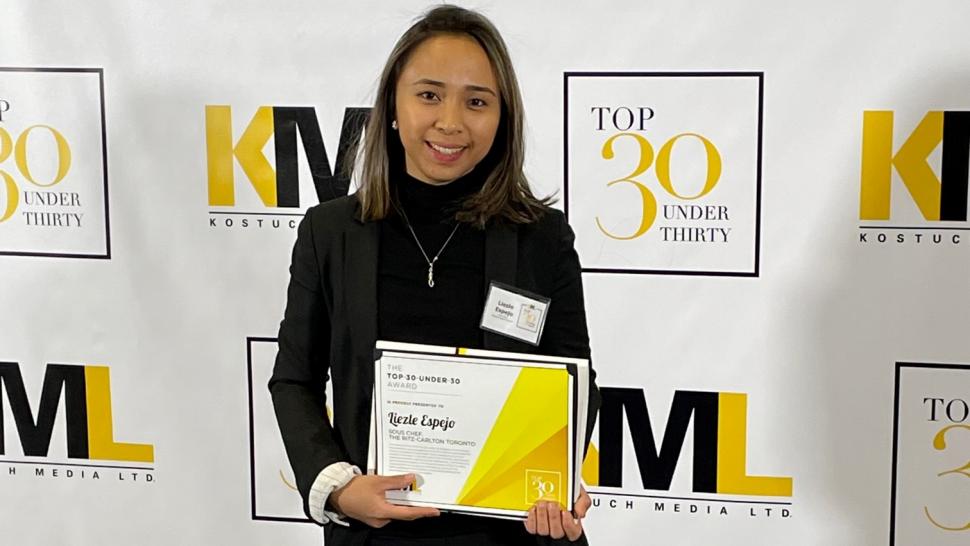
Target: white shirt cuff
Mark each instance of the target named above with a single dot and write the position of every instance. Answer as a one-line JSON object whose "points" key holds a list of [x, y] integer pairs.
{"points": [[328, 480]]}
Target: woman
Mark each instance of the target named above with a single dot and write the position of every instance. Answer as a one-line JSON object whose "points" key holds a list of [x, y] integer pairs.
{"points": [[443, 210]]}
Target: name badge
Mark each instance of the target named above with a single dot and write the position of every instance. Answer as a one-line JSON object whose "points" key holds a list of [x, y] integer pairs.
{"points": [[514, 313]]}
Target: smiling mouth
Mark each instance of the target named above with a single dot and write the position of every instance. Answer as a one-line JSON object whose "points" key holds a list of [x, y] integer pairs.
{"points": [[445, 153]]}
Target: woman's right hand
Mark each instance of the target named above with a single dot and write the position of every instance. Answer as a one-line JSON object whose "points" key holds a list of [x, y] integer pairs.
{"points": [[363, 499]]}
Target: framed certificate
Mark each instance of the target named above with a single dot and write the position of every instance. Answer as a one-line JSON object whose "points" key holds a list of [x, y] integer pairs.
{"points": [[485, 432]]}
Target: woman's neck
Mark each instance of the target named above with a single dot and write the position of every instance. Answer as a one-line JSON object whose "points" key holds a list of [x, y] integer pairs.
{"points": [[426, 203]]}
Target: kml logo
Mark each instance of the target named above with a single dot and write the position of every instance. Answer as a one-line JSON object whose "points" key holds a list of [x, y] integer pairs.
{"points": [[53, 180], [719, 444], [276, 189], [931, 442], [942, 198], [87, 410], [938, 198], [663, 171]]}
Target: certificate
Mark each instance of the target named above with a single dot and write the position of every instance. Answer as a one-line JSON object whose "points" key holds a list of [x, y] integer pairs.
{"points": [[485, 432]]}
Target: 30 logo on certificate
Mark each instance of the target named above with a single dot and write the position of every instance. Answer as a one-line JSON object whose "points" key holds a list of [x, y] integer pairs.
{"points": [[543, 485], [486, 432]]}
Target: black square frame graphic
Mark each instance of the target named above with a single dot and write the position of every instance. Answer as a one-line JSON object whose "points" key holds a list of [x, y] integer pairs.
{"points": [[899, 369], [106, 255], [760, 76], [250, 341]]}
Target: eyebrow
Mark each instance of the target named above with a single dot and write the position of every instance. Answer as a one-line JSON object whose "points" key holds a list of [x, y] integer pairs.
{"points": [[436, 83]]}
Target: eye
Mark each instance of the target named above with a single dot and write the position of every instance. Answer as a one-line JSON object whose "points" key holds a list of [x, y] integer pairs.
{"points": [[428, 95], [477, 103]]}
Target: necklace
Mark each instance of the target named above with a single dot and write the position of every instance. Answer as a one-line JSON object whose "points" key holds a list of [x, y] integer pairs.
{"points": [[431, 261]]}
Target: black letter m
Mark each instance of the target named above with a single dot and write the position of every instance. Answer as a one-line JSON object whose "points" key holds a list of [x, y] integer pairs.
{"points": [[35, 437]]}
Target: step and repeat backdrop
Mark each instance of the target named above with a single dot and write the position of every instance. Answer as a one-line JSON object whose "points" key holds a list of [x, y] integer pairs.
{"points": [[770, 203]]}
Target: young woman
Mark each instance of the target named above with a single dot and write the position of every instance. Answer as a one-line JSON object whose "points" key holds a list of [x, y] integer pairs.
{"points": [[442, 211]]}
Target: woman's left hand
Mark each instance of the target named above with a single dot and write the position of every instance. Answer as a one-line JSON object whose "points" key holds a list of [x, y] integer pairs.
{"points": [[549, 519]]}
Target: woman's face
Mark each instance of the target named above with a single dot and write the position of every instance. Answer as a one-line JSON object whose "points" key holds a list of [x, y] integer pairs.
{"points": [[447, 108]]}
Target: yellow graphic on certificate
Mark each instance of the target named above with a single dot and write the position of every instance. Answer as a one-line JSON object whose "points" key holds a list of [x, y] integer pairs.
{"points": [[527, 448]]}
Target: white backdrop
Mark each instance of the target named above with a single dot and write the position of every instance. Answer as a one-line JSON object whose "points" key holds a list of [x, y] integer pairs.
{"points": [[805, 318]]}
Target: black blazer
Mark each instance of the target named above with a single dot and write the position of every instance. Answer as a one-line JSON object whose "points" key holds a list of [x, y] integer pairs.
{"points": [[330, 326]]}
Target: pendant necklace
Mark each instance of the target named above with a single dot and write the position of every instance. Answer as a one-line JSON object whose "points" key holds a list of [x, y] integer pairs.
{"points": [[431, 261]]}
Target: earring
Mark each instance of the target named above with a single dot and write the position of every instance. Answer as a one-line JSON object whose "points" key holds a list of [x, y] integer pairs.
{"points": [[394, 125]]}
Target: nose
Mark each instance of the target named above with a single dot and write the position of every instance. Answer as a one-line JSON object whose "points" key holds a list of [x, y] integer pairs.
{"points": [[449, 120]]}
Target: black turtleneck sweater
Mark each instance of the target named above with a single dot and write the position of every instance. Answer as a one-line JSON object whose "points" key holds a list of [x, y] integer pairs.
{"points": [[448, 314], [408, 309]]}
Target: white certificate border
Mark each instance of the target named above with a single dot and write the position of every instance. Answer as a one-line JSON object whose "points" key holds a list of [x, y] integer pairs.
{"points": [[462, 509], [509, 361], [475, 359]]}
